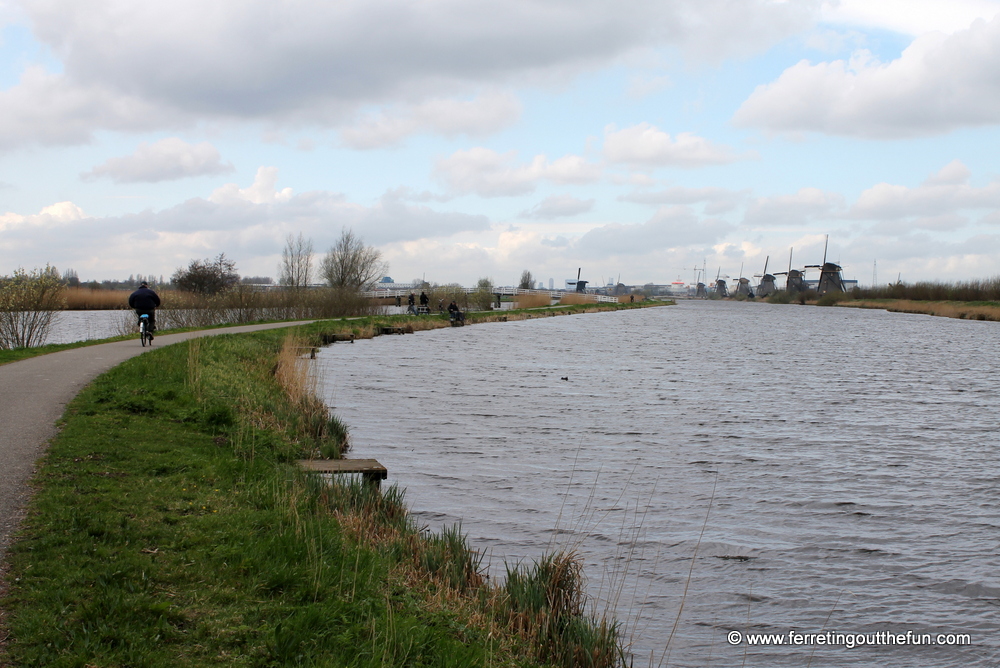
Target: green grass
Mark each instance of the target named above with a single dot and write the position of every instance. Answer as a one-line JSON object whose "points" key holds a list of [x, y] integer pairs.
{"points": [[170, 527], [17, 354]]}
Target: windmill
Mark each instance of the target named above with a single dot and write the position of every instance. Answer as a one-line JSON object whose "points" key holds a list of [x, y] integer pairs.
{"points": [[830, 277], [743, 285], [766, 285], [720, 285], [795, 279]]}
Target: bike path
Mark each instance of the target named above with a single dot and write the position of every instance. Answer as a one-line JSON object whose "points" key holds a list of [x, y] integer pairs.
{"points": [[34, 394]]}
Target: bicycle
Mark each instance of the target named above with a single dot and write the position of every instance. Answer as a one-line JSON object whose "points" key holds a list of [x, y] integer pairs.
{"points": [[144, 332]]}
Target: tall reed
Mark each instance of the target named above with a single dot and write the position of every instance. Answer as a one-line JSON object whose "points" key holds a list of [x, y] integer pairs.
{"points": [[977, 290], [90, 299], [532, 300], [578, 298], [324, 432]]}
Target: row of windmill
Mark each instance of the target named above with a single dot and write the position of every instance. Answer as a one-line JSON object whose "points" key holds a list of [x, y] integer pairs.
{"points": [[831, 279]]}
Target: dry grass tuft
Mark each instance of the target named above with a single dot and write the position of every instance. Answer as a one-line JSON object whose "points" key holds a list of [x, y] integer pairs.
{"points": [[958, 310], [578, 298], [89, 299], [532, 301]]}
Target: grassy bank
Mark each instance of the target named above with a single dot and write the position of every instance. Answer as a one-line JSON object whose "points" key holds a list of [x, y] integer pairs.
{"points": [[366, 326], [170, 527], [16, 354], [946, 309]]}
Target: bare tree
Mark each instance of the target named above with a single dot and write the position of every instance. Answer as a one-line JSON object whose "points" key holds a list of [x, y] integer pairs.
{"points": [[527, 281], [351, 265], [296, 262]]}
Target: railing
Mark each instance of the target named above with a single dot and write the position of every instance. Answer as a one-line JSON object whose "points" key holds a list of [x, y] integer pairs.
{"points": [[503, 291]]}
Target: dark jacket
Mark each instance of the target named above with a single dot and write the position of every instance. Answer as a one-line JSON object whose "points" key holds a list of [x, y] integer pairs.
{"points": [[143, 299]]}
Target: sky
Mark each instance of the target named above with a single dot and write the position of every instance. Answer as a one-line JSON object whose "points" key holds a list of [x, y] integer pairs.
{"points": [[635, 140]]}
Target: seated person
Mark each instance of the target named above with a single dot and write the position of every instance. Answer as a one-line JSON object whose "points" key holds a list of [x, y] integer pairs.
{"points": [[145, 302], [454, 313]]}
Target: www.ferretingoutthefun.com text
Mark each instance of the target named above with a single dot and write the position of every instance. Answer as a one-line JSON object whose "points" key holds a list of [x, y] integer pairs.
{"points": [[850, 640]]}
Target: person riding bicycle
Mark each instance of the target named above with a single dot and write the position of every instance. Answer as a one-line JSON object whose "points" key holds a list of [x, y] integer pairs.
{"points": [[145, 301]]}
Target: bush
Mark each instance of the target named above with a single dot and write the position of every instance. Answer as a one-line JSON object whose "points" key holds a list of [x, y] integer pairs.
{"points": [[831, 298], [207, 277], [804, 296], [27, 302], [780, 297]]}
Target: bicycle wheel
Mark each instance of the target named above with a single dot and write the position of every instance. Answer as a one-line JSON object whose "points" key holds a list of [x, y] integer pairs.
{"points": [[142, 333]]}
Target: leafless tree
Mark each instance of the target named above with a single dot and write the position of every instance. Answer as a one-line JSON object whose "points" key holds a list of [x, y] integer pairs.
{"points": [[527, 281], [351, 265], [296, 262]]}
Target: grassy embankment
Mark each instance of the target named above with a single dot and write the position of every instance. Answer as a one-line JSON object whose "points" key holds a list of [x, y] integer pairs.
{"points": [[968, 300], [966, 310], [527, 309], [947, 309], [170, 527]]}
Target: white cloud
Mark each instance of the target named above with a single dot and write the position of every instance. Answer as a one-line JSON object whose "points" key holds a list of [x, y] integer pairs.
{"points": [[559, 206], [797, 209], [491, 174], [52, 215], [263, 190], [646, 145], [320, 62], [943, 193], [911, 17], [480, 116], [939, 83], [166, 160], [670, 227], [52, 109], [247, 224], [716, 200]]}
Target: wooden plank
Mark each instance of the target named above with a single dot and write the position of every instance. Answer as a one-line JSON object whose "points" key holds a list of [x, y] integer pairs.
{"points": [[372, 471]]}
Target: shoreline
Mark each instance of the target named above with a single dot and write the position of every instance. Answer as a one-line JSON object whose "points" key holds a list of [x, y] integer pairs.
{"points": [[182, 456], [945, 309]]}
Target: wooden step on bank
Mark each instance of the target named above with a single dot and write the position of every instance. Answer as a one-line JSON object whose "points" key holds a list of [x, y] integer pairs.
{"points": [[370, 469]]}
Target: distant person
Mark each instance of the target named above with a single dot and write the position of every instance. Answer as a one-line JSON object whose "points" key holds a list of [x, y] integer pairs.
{"points": [[454, 313], [631, 299], [145, 302], [410, 302], [441, 305], [399, 301], [424, 301], [497, 295]]}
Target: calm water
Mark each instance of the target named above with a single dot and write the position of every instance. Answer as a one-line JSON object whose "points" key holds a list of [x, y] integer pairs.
{"points": [[71, 326], [843, 465]]}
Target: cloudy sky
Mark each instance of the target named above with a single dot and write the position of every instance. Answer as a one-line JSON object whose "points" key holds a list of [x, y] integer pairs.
{"points": [[633, 138]]}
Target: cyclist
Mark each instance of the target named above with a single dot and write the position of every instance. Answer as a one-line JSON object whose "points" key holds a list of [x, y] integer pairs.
{"points": [[145, 301]]}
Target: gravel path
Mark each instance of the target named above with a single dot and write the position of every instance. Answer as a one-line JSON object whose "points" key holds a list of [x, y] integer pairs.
{"points": [[33, 396]]}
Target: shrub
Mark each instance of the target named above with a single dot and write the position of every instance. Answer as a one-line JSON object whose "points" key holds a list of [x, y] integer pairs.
{"points": [[780, 297], [831, 298], [27, 303]]}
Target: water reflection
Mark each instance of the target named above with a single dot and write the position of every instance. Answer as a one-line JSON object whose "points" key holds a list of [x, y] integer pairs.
{"points": [[844, 460]]}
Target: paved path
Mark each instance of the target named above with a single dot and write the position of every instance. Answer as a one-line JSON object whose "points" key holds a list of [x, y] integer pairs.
{"points": [[33, 395]]}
